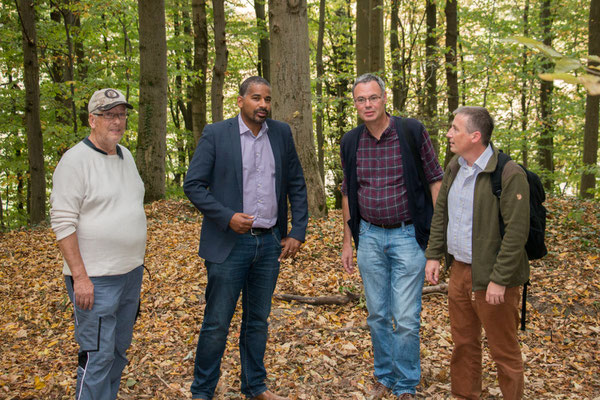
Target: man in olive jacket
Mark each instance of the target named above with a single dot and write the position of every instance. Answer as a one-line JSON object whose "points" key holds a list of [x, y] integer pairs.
{"points": [[487, 269]]}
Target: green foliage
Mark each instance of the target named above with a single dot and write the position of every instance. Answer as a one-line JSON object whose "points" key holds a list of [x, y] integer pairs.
{"points": [[105, 53]]}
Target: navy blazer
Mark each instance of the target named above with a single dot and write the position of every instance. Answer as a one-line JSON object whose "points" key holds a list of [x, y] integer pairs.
{"points": [[214, 185]]}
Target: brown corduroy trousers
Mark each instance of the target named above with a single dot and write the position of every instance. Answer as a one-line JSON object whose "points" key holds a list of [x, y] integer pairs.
{"points": [[468, 312]]}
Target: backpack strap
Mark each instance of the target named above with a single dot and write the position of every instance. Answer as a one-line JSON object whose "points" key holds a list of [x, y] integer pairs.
{"points": [[496, 176], [524, 305], [410, 139], [496, 182]]}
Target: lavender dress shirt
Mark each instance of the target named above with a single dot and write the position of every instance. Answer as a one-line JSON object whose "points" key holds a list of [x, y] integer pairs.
{"points": [[258, 176]]}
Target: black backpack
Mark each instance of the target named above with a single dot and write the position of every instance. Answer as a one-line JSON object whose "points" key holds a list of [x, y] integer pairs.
{"points": [[535, 245]]}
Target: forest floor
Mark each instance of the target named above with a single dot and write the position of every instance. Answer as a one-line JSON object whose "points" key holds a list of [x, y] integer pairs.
{"points": [[314, 352]]}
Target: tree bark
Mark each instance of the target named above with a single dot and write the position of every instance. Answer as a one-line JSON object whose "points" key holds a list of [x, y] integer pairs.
{"points": [[451, 64], [200, 68], [396, 53], [35, 142], [431, 74], [152, 128], [376, 45], [363, 60], [220, 67], [290, 75], [319, 92], [590, 136], [264, 64], [546, 141], [369, 37], [524, 88]]}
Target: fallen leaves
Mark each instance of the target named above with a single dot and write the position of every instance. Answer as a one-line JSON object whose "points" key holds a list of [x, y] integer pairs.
{"points": [[314, 352]]}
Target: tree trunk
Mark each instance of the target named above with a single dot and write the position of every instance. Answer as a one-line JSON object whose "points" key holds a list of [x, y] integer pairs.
{"points": [[524, 88], [363, 61], [290, 74], [369, 37], [319, 92], [590, 137], [546, 142], [395, 52], [220, 67], [152, 128], [451, 64], [376, 46], [431, 74], [200, 68], [264, 65], [35, 142]]}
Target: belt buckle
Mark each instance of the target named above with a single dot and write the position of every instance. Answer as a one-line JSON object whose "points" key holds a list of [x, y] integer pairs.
{"points": [[257, 231]]}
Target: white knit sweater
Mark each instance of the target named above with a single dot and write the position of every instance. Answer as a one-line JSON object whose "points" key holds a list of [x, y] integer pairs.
{"points": [[100, 197]]}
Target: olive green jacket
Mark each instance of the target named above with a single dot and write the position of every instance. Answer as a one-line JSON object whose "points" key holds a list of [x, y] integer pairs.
{"points": [[502, 260]]}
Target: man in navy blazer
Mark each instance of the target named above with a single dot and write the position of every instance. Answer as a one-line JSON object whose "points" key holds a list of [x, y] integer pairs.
{"points": [[244, 171]]}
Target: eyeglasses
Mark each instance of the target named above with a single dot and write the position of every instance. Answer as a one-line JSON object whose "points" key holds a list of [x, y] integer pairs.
{"points": [[371, 99], [111, 116]]}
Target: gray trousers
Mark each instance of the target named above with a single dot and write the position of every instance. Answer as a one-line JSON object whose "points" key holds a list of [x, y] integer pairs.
{"points": [[104, 333]]}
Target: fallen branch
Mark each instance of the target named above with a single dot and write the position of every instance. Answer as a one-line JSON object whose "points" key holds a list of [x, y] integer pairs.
{"points": [[441, 288], [318, 301], [341, 300]]}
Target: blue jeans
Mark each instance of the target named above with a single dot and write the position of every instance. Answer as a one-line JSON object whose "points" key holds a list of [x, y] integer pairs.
{"points": [[392, 267], [104, 333], [252, 269]]}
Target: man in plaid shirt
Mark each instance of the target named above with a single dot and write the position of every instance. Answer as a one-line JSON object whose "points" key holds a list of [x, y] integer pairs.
{"points": [[387, 210]]}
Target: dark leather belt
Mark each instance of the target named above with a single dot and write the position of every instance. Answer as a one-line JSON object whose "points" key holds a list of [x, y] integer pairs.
{"points": [[260, 231], [393, 226]]}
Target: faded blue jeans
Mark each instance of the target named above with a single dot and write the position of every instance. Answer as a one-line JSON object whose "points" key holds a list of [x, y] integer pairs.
{"points": [[392, 267], [252, 269]]}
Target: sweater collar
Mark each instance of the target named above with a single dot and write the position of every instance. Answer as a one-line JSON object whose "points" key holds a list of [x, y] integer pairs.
{"points": [[88, 142]]}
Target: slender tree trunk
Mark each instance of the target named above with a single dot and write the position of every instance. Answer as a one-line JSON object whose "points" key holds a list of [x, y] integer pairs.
{"points": [[127, 52], [363, 60], [451, 64], [35, 142], [177, 99], [396, 54], [200, 68], [152, 129], [2, 226], [431, 73], [70, 20], [220, 67], [376, 45], [546, 142], [319, 91], [369, 37], [290, 74], [264, 66], [590, 138], [524, 88]]}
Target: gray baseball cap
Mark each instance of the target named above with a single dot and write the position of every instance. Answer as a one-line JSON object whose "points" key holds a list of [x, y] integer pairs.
{"points": [[105, 99]]}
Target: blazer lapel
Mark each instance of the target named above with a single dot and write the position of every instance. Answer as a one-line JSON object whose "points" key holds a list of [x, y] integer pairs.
{"points": [[236, 150], [277, 149]]}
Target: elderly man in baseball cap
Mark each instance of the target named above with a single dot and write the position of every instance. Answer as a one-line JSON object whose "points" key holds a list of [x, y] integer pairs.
{"points": [[97, 213]]}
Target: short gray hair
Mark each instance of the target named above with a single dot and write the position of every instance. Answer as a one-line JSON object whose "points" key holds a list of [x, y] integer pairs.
{"points": [[366, 78], [478, 119]]}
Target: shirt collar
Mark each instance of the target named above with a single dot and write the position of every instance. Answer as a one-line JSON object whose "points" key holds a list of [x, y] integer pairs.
{"points": [[482, 161], [387, 131], [244, 128], [93, 146]]}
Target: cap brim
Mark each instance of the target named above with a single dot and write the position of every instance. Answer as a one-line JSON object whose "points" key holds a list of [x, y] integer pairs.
{"points": [[113, 105]]}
